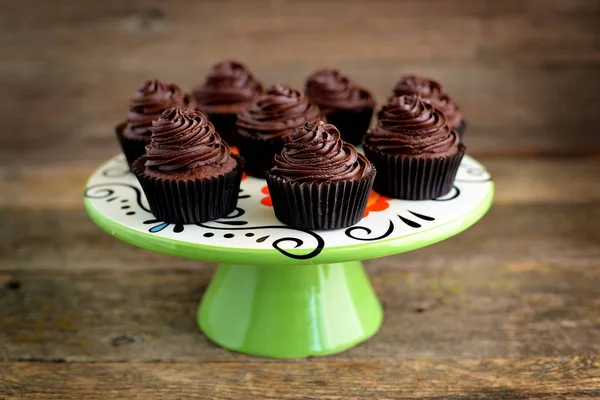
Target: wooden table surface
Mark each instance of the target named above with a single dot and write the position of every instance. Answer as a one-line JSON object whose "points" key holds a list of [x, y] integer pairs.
{"points": [[507, 309]]}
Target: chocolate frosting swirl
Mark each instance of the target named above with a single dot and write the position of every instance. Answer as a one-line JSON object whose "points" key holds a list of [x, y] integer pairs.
{"points": [[229, 82], [410, 126], [184, 139], [149, 102], [413, 84], [432, 93], [317, 153], [449, 108], [330, 89], [277, 113]]}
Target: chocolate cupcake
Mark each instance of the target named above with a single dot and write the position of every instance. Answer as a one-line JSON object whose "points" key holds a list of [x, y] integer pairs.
{"points": [[229, 89], [345, 105], [148, 103], [263, 129], [433, 93], [319, 181], [415, 151], [188, 174]]}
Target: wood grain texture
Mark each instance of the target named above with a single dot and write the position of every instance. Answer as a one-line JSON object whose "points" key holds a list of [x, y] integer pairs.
{"points": [[540, 378], [508, 309], [509, 64], [494, 309]]}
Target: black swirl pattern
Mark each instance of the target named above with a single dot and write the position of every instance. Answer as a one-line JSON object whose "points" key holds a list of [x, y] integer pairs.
{"points": [[299, 242], [116, 171], [454, 193], [105, 190], [350, 233]]}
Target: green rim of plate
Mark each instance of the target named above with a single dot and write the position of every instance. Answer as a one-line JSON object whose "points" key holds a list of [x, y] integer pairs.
{"points": [[360, 251]]}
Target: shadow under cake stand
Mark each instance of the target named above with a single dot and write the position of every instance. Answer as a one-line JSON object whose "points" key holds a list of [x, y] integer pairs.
{"points": [[279, 291]]}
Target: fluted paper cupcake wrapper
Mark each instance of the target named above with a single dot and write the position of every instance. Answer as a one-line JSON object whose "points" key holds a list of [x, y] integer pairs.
{"points": [[132, 148], [412, 178], [190, 201], [352, 124], [320, 205], [224, 125], [258, 153]]}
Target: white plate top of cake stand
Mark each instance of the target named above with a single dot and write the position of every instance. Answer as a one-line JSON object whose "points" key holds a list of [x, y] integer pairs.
{"points": [[253, 235]]}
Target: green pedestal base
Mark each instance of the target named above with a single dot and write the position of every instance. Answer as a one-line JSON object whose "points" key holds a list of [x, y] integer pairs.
{"points": [[290, 311]]}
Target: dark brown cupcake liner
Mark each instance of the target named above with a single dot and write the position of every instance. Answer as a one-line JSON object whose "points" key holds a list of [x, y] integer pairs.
{"points": [[224, 125], [132, 148], [190, 201], [352, 124], [258, 153], [320, 205], [413, 178], [462, 129]]}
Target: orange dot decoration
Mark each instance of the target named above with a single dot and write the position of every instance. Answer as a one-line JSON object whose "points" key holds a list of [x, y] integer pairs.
{"points": [[234, 150]]}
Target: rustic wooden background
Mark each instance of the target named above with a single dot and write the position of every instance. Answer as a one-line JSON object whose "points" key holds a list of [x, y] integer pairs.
{"points": [[508, 309]]}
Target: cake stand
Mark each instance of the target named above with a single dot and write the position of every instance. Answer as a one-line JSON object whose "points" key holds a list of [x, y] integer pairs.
{"points": [[278, 291]]}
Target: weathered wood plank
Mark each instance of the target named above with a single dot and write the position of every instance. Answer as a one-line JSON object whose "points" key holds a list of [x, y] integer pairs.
{"points": [[546, 234], [496, 312], [577, 377], [508, 64], [520, 308], [517, 180]]}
